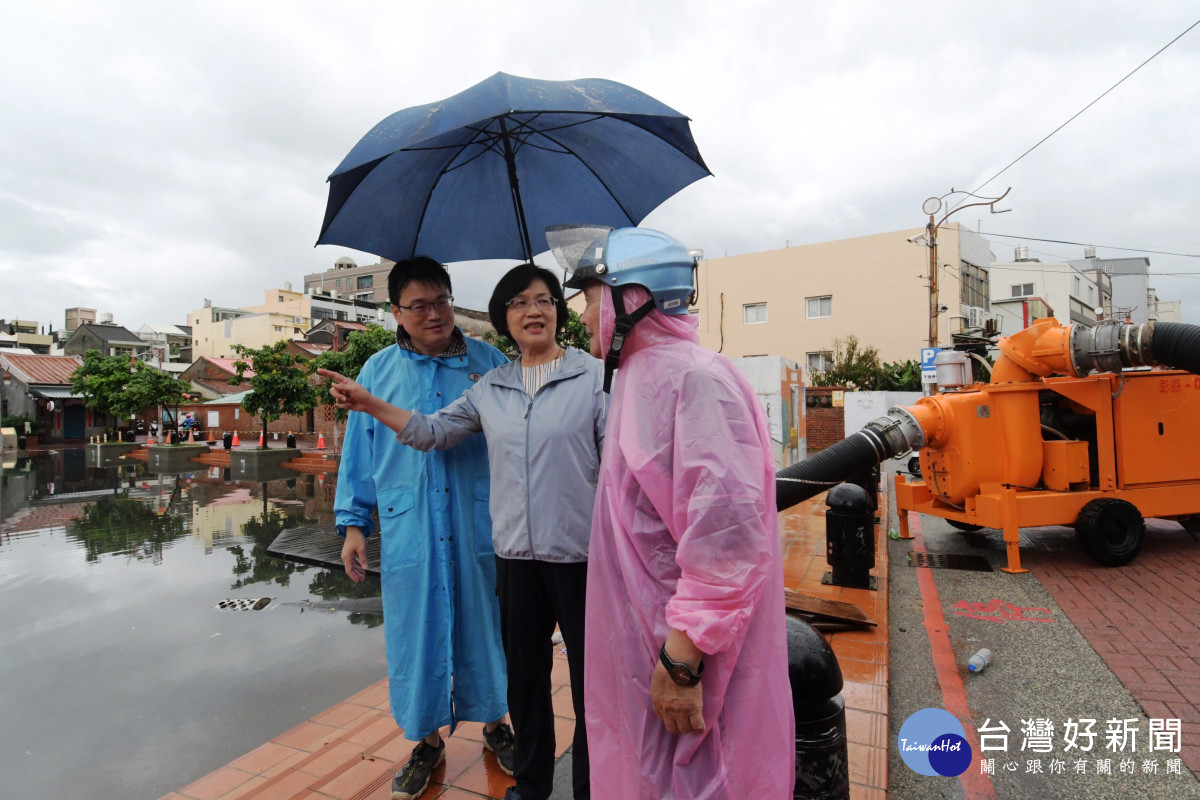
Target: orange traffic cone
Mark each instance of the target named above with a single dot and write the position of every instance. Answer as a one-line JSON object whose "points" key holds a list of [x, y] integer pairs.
{"points": [[320, 441], [212, 435], [262, 442], [191, 436], [235, 439]]}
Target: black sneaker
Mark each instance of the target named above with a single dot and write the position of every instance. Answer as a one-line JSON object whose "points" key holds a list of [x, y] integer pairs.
{"points": [[500, 741], [411, 781]]}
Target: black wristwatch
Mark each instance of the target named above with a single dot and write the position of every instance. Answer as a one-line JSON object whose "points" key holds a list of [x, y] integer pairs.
{"points": [[680, 673]]}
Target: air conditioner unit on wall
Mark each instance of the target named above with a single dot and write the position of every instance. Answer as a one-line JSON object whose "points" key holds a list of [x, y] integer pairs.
{"points": [[975, 317]]}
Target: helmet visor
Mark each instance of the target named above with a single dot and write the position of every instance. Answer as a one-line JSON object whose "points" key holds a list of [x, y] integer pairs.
{"points": [[579, 250]]}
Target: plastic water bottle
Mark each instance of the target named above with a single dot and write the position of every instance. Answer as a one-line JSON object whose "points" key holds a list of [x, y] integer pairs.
{"points": [[980, 660]]}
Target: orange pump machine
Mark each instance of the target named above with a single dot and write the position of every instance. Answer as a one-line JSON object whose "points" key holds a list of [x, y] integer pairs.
{"points": [[1048, 443], [1075, 428]]}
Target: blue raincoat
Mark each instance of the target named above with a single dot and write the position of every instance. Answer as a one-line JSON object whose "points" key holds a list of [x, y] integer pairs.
{"points": [[441, 618]]}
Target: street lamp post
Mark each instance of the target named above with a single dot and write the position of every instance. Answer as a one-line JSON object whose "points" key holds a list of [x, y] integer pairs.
{"points": [[933, 207]]}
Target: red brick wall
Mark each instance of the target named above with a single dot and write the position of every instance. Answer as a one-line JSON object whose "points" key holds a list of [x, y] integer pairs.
{"points": [[826, 424], [247, 423]]}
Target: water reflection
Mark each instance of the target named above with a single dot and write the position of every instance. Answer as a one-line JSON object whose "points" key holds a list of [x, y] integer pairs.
{"points": [[132, 683], [128, 511], [121, 524]]}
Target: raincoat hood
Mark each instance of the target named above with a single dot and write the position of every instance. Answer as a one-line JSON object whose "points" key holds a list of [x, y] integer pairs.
{"points": [[655, 327]]}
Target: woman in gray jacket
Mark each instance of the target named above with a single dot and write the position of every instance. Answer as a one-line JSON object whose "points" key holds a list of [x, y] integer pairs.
{"points": [[543, 416]]}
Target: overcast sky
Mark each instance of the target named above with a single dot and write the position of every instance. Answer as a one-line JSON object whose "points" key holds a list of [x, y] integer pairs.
{"points": [[156, 154]]}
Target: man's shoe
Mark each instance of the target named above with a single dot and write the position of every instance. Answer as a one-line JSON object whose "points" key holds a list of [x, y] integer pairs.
{"points": [[411, 781], [500, 741]]}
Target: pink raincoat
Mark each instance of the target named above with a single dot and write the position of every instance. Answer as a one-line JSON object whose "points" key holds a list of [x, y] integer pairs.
{"points": [[685, 536]]}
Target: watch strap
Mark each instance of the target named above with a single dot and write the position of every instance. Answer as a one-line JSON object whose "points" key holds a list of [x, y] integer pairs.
{"points": [[681, 673]]}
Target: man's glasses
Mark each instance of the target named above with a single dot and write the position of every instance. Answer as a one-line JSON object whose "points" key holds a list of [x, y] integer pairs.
{"points": [[544, 303], [421, 309]]}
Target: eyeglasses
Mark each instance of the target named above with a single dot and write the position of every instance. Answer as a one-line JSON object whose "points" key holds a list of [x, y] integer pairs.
{"points": [[438, 306], [544, 303]]}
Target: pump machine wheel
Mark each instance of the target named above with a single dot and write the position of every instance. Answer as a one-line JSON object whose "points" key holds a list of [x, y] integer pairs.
{"points": [[1110, 530]]}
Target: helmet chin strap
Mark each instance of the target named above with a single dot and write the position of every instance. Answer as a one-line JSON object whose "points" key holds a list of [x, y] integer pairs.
{"points": [[624, 325]]}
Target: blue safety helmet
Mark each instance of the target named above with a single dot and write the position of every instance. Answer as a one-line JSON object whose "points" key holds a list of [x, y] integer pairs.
{"points": [[626, 257]]}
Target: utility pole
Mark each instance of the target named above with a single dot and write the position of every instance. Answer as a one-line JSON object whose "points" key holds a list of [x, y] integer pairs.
{"points": [[933, 207]]}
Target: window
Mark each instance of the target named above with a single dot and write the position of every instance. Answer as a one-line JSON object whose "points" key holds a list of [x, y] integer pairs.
{"points": [[754, 313], [975, 285], [818, 362], [1022, 290], [279, 329], [366, 281], [816, 307]]}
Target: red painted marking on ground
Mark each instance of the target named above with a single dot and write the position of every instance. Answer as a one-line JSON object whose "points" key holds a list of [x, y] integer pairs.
{"points": [[954, 696], [997, 610]]}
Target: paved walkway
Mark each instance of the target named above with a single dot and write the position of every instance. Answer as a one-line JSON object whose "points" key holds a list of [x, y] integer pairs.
{"points": [[1072, 640], [351, 751], [1143, 619]]}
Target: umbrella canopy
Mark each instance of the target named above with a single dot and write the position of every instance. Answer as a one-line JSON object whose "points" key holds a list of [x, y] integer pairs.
{"points": [[471, 176]]}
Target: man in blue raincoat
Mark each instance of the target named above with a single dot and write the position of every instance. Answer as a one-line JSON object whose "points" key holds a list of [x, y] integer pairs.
{"points": [[441, 618]]}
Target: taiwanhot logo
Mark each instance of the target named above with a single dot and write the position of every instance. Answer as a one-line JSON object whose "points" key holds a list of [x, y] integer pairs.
{"points": [[932, 742]]}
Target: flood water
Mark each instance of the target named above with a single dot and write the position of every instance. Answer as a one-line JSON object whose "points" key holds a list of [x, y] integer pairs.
{"points": [[120, 675]]}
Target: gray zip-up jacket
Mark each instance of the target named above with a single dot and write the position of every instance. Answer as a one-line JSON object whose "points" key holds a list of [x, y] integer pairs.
{"points": [[544, 453]]}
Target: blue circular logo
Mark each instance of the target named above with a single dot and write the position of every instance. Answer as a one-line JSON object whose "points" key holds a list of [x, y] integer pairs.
{"points": [[932, 742]]}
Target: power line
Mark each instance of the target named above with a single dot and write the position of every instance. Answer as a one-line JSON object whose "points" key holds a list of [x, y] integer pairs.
{"points": [[1085, 108], [1087, 244]]}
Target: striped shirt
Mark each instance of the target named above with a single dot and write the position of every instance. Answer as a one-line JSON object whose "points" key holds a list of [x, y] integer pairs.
{"points": [[535, 377]]}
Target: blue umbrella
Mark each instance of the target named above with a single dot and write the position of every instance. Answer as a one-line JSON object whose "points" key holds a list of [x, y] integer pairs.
{"points": [[470, 176]]}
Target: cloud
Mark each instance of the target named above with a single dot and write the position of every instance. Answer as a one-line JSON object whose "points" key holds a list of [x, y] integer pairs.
{"points": [[162, 154]]}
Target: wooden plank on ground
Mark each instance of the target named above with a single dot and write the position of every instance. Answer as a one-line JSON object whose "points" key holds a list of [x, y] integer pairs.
{"points": [[834, 610]]}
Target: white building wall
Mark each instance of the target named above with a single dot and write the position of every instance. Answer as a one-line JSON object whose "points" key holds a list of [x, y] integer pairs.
{"points": [[1062, 287]]}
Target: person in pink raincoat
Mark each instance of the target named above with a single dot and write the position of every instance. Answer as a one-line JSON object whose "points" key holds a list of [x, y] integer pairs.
{"points": [[686, 684]]}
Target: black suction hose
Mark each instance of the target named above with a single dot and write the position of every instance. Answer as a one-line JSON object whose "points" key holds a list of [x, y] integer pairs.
{"points": [[849, 457], [1177, 345]]}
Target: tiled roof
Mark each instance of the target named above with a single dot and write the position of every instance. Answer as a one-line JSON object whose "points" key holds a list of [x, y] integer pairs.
{"points": [[51, 370], [227, 364], [315, 348], [112, 333], [221, 387]]}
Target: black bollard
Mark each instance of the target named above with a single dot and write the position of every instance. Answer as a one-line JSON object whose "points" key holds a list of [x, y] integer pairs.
{"points": [[21, 442], [174, 437], [822, 758], [291, 440], [849, 537], [869, 481], [227, 440]]}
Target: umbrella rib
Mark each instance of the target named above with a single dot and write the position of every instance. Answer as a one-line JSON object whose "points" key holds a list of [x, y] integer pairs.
{"points": [[568, 151]]}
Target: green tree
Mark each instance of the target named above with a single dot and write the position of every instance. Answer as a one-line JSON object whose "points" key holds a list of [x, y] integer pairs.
{"points": [[279, 385], [902, 376], [349, 361], [852, 365], [858, 367], [149, 388], [101, 381]]}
